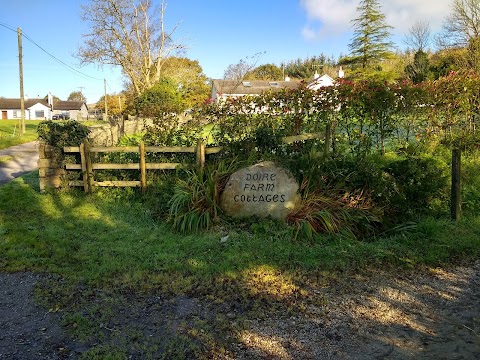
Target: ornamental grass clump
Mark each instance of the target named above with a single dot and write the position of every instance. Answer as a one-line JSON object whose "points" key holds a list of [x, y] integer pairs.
{"points": [[321, 213], [194, 205]]}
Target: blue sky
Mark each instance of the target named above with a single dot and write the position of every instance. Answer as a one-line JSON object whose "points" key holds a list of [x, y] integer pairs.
{"points": [[217, 32]]}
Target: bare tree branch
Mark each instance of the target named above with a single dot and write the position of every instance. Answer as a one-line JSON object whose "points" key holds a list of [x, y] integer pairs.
{"points": [[129, 34], [418, 37]]}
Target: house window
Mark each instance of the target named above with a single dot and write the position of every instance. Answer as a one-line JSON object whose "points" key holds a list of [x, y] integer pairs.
{"points": [[39, 114], [246, 83], [17, 114]]}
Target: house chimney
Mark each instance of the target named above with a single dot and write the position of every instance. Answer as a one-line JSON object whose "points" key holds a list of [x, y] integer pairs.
{"points": [[50, 101], [316, 75], [287, 78], [341, 73]]}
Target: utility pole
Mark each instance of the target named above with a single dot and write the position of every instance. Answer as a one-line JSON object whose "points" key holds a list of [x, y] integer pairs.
{"points": [[81, 91], [105, 118], [22, 96]]}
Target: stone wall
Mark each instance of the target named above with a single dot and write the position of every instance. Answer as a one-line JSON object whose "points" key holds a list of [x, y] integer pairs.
{"points": [[50, 168], [109, 134]]}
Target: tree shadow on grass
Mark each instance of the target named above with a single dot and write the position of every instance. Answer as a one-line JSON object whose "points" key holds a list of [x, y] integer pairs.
{"points": [[120, 293]]}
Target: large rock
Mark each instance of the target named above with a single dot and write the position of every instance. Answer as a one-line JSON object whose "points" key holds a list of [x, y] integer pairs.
{"points": [[263, 189]]}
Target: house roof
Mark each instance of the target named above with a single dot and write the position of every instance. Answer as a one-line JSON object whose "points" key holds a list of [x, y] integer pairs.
{"points": [[14, 104], [251, 87], [67, 105]]}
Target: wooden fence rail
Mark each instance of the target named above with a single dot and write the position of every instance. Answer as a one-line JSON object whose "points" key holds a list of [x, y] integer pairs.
{"points": [[87, 165]]}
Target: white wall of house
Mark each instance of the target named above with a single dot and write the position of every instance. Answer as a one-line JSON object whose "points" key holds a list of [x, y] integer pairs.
{"points": [[38, 112], [321, 81]]}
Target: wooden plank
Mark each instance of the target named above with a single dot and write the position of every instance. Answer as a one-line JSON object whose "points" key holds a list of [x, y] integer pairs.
{"points": [[83, 167], [213, 150], [143, 168], [170, 149], [77, 183], [73, 166], [44, 163], [89, 170], [456, 185], [70, 149], [200, 154], [328, 135], [106, 149], [118, 183], [102, 166], [164, 166], [303, 137]]}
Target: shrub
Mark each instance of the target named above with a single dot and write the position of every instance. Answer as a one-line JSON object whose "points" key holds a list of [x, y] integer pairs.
{"points": [[60, 134], [420, 180]]}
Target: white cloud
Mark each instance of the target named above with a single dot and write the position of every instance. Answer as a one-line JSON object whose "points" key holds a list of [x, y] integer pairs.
{"points": [[332, 17]]}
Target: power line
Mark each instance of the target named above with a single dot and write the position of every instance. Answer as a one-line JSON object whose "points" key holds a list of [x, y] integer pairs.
{"points": [[8, 27], [70, 68]]}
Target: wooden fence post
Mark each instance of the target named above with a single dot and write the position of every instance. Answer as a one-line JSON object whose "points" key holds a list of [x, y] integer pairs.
{"points": [[455, 206], [328, 135], [143, 167], [200, 151], [88, 167], [83, 160]]}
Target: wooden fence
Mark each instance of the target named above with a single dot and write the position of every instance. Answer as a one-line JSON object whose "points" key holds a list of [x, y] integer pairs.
{"points": [[87, 166]]}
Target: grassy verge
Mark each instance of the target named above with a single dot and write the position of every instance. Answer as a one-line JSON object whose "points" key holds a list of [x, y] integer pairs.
{"points": [[10, 132], [103, 242], [96, 243]]}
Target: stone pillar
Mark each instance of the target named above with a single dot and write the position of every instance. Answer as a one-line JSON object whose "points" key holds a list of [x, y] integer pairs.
{"points": [[50, 168]]}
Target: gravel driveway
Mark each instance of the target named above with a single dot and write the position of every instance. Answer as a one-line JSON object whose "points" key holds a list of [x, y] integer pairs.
{"points": [[432, 314]]}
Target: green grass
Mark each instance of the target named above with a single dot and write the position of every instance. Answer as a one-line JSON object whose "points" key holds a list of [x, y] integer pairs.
{"points": [[10, 132], [99, 240], [101, 248]]}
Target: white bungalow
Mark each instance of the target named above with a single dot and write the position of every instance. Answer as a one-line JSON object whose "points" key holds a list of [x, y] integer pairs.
{"points": [[35, 109]]}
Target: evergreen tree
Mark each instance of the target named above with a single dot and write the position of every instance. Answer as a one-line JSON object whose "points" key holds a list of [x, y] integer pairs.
{"points": [[370, 43], [419, 70]]}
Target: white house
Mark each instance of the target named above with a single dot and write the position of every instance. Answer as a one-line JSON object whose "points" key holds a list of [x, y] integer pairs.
{"points": [[40, 109], [320, 81], [222, 89], [35, 109]]}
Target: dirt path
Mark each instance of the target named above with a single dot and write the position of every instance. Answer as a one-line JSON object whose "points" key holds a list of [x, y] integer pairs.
{"points": [[430, 315], [27, 331], [434, 315], [18, 160]]}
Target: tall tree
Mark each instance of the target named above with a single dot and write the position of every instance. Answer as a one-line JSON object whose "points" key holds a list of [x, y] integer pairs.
{"points": [[162, 98], [189, 77], [265, 72], [304, 69], [418, 36], [419, 70], [461, 29], [130, 34], [370, 43], [115, 103], [239, 70], [76, 96], [461, 25]]}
